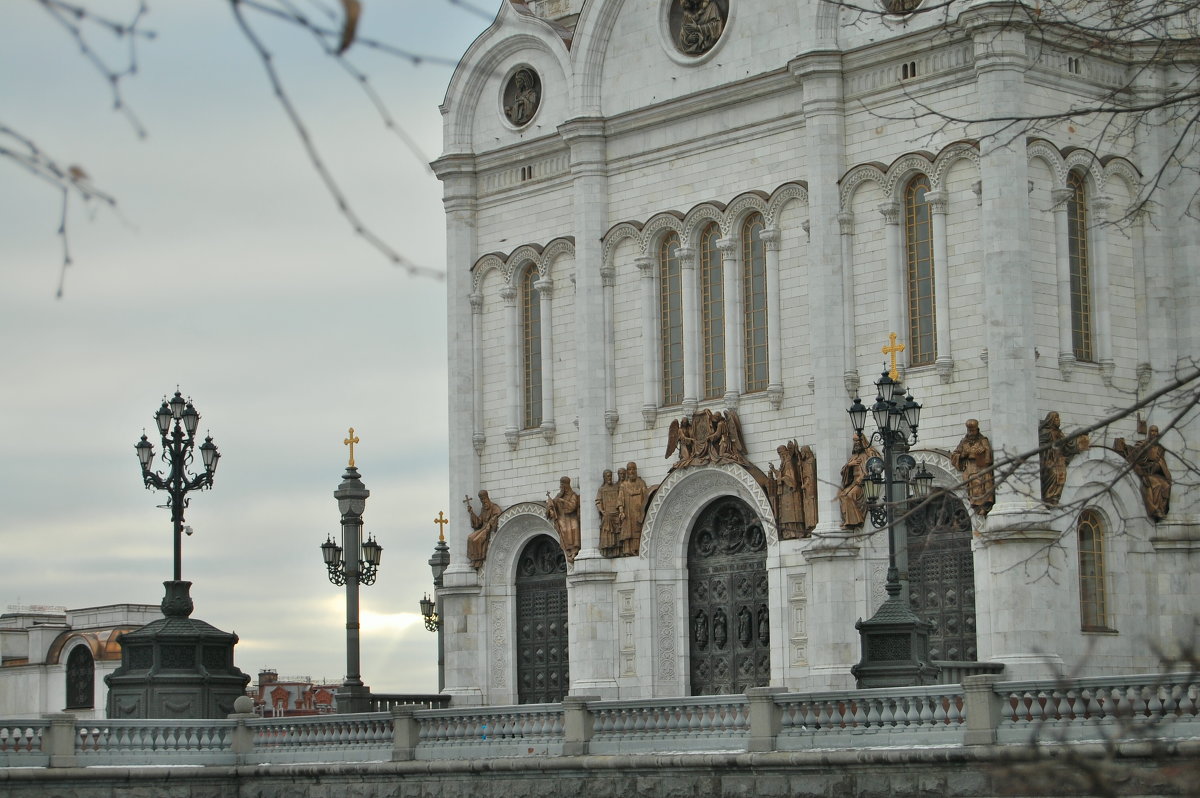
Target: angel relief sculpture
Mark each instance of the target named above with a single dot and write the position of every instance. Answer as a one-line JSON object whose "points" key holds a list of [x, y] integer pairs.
{"points": [[707, 438]]}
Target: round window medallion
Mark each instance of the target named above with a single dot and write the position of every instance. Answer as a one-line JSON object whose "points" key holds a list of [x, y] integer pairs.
{"points": [[522, 96], [696, 25]]}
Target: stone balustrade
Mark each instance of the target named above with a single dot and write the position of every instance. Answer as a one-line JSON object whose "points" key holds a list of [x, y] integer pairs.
{"points": [[981, 711]]}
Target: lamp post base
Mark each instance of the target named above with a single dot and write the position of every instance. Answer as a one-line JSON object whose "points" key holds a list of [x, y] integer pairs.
{"points": [[895, 647], [353, 698]]}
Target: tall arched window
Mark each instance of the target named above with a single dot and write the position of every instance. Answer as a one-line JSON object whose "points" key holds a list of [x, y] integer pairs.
{"points": [[81, 679], [1077, 248], [754, 302], [918, 250], [531, 348], [670, 319], [712, 313], [1093, 589]]}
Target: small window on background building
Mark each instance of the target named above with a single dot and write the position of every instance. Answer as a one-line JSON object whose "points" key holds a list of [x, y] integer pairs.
{"points": [[81, 679]]}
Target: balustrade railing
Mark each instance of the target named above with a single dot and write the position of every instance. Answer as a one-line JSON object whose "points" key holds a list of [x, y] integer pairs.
{"points": [[982, 710]]}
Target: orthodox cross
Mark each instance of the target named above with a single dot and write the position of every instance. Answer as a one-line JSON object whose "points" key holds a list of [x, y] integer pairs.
{"points": [[441, 521], [353, 440], [888, 349]]}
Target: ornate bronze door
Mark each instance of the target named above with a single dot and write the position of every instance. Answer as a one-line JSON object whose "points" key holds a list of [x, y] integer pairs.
{"points": [[941, 577], [542, 673], [728, 620]]}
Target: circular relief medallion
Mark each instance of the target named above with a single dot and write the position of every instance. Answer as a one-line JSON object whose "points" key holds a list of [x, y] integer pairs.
{"points": [[522, 96], [696, 25], [900, 7]]}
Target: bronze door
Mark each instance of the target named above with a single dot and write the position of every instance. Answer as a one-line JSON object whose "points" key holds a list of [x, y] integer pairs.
{"points": [[941, 577], [728, 620], [542, 672]]}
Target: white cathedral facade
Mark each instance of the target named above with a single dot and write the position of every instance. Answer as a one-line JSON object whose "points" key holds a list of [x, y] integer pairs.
{"points": [[661, 210]]}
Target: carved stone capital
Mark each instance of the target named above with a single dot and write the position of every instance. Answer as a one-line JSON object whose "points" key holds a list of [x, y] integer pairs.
{"points": [[1066, 365], [850, 380], [478, 439], [476, 301], [513, 436], [687, 257], [645, 265], [775, 395], [611, 417], [770, 238], [548, 430], [608, 275], [509, 294], [544, 287], [938, 200], [846, 223], [1107, 368], [650, 415], [731, 400], [728, 247], [807, 227], [891, 212], [1060, 197], [944, 366], [1144, 374]]}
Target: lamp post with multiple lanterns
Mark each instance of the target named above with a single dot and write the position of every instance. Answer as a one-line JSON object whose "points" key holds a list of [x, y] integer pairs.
{"points": [[352, 563], [895, 642], [431, 609]]}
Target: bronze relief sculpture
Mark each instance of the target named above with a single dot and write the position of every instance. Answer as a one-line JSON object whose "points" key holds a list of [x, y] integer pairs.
{"points": [[522, 96], [707, 438], [1149, 461], [696, 25], [484, 526], [974, 459], [1057, 451], [793, 491]]}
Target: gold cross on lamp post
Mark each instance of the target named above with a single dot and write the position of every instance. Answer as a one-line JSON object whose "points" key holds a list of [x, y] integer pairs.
{"points": [[888, 349], [353, 440], [441, 521]]}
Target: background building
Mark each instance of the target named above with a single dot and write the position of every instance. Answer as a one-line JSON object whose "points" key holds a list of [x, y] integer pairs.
{"points": [[661, 210], [54, 660]]}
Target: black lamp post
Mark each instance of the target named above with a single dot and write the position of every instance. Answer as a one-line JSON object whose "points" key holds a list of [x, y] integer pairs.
{"points": [[895, 642], [351, 564], [431, 609], [178, 452]]}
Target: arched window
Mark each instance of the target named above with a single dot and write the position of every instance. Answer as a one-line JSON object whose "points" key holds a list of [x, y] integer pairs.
{"points": [[1077, 248], [670, 315], [754, 299], [1093, 591], [81, 679], [531, 348], [918, 251], [712, 313]]}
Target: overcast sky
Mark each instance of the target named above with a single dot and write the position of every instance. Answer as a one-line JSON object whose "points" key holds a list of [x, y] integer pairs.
{"points": [[229, 274]]}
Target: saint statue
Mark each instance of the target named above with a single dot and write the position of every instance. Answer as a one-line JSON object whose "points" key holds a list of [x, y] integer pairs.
{"points": [[563, 512], [974, 458], [795, 509], [1056, 453], [484, 525], [1149, 461], [523, 99], [632, 492], [700, 26], [851, 495], [608, 504]]}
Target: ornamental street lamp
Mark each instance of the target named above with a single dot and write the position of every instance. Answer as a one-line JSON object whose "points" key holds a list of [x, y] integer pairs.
{"points": [[178, 452], [431, 609], [351, 564], [895, 642]]}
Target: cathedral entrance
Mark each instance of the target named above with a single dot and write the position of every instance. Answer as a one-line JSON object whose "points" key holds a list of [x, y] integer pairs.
{"points": [[542, 673], [728, 621], [941, 577]]}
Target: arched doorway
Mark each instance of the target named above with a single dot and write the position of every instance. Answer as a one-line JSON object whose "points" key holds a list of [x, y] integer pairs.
{"points": [[81, 679], [542, 664], [941, 577], [728, 620]]}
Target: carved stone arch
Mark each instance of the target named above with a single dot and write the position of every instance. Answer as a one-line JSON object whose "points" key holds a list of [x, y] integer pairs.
{"points": [[526, 253], [593, 30], [1047, 153], [553, 251], [516, 526], [951, 154], [1100, 476], [902, 170], [742, 206], [1127, 173], [699, 217], [780, 198], [1085, 161], [658, 225], [484, 265], [946, 478], [680, 499], [625, 231], [850, 182], [496, 48]]}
